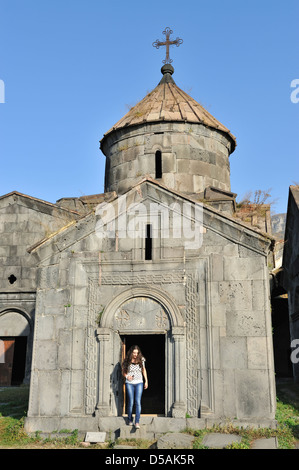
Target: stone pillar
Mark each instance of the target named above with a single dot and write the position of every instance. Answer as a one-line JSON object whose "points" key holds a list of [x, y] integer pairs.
{"points": [[104, 336], [179, 407]]}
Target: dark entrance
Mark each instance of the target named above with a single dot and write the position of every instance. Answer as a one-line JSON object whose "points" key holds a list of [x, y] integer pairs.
{"points": [[19, 361], [13, 360], [153, 349]]}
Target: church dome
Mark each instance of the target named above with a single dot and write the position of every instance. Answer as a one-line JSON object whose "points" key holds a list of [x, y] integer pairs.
{"points": [[168, 126], [167, 102]]}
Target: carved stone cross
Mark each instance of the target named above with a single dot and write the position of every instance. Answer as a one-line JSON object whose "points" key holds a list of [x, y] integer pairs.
{"points": [[122, 317], [167, 43]]}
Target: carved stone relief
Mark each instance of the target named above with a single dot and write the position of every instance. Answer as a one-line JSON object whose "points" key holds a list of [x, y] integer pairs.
{"points": [[145, 314], [141, 314]]}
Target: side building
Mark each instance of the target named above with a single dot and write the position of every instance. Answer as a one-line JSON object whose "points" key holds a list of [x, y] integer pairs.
{"points": [[291, 274]]}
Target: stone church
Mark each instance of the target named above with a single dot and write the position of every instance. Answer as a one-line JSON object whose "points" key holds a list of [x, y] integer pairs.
{"points": [[159, 260]]}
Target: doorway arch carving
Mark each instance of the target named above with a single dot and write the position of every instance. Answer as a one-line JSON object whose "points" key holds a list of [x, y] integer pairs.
{"points": [[120, 317], [172, 310]]}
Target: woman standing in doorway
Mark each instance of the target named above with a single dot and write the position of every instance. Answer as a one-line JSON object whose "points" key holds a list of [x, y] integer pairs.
{"points": [[133, 370]]}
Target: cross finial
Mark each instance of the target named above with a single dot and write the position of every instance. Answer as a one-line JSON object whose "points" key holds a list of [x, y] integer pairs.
{"points": [[167, 43]]}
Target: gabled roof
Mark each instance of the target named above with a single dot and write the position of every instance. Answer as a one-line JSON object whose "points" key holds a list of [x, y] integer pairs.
{"points": [[234, 230], [17, 193], [35, 200], [167, 102]]}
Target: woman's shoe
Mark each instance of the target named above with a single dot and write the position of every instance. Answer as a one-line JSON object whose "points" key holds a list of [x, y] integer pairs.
{"points": [[130, 423], [137, 426]]}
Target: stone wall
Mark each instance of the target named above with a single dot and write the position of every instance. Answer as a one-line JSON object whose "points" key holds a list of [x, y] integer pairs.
{"points": [[193, 157], [217, 322], [24, 221]]}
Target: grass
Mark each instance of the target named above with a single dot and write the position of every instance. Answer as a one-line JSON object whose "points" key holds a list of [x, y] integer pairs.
{"points": [[14, 404], [13, 409], [287, 416]]}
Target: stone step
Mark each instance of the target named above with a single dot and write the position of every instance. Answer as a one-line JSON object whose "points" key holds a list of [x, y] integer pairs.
{"points": [[150, 427], [130, 432], [265, 443], [154, 426], [217, 440]]}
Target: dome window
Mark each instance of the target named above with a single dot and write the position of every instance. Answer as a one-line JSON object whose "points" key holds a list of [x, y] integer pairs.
{"points": [[158, 163]]}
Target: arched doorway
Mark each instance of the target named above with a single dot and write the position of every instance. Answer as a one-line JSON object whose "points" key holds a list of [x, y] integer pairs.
{"points": [[152, 317], [14, 332]]}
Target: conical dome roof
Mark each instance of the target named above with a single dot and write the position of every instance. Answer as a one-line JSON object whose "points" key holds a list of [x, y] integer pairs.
{"points": [[167, 102]]}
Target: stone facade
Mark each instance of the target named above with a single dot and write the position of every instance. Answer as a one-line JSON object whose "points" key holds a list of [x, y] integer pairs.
{"points": [[211, 305], [159, 259]]}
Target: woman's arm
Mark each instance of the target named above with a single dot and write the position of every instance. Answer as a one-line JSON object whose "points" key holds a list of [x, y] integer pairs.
{"points": [[145, 377], [126, 375]]}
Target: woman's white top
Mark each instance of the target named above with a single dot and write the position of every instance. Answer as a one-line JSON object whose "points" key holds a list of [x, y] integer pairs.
{"points": [[135, 369]]}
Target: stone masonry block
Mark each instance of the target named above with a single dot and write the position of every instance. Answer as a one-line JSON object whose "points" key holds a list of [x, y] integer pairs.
{"points": [[78, 351], [214, 293], [246, 323], [80, 316], [257, 353], [64, 349], [217, 267], [55, 310], [183, 165], [77, 392], [251, 384], [219, 315], [45, 327], [45, 355], [81, 296], [57, 297], [169, 163], [49, 393], [243, 269], [64, 321], [236, 295], [65, 386], [169, 180], [233, 353], [258, 295], [198, 183], [229, 402]]}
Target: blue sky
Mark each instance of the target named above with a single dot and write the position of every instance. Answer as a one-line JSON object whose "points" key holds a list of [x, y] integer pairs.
{"points": [[71, 69]]}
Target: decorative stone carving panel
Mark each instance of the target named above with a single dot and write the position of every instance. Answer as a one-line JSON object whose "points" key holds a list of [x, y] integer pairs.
{"points": [[141, 314]]}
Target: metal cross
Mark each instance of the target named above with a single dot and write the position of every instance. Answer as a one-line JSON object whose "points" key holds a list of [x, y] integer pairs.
{"points": [[167, 43]]}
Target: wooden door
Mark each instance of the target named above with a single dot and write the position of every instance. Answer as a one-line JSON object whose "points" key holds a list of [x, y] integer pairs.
{"points": [[7, 353]]}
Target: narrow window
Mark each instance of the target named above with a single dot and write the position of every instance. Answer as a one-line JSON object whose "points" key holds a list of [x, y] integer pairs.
{"points": [[158, 164], [148, 242]]}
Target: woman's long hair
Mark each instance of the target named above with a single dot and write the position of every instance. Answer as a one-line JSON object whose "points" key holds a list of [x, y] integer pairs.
{"points": [[128, 358]]}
